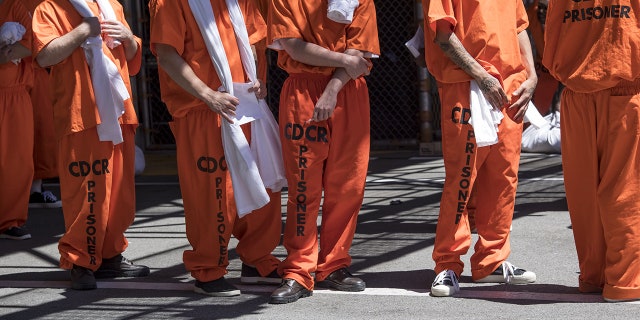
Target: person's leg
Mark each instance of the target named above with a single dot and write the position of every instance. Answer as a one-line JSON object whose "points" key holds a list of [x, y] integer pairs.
{"points": [[16, 169], [203, 176], [344, 181], [453, 236], [618, 197], [580, 165], [45, 144], [496, 185]]}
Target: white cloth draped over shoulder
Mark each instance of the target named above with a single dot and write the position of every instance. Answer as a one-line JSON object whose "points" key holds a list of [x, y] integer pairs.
{"points": [[342, 10], [484, 118], [259, 165], [10, 33], [109, 88]]}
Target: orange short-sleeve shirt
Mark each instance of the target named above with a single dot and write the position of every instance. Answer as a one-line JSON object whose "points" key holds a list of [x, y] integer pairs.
{"points": [[74, 106], [10, 73], [488, 30], [307, 20], [593, 45], [172, 23], [31, 4]]}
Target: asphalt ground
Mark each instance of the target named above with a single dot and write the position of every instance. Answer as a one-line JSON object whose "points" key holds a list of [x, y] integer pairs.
{"points": [[391, 252]]}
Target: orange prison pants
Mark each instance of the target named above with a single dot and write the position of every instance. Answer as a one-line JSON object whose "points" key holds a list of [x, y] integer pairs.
{"points": [[209, 207], [45, 151], [333, 156], [97, 188], [601, 163], [16, 152], [491, 172]]}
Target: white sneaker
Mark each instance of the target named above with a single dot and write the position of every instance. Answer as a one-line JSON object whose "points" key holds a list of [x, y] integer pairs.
{"points": [[445, 284], [508, 273]]}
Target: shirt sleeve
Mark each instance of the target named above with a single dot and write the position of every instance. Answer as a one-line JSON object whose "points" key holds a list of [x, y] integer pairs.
{"points": [[45, 27], [23, 18], [281, 23], [522, 19], [362, 33], [256, 27], [436, 10], [168, 25]]}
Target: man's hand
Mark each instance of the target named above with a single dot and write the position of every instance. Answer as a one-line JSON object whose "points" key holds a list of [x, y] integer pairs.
{"points": [[117, 31], [222, 103], [356, 66], [260, 89], [493, 92], [325, 106], [524, 94]]}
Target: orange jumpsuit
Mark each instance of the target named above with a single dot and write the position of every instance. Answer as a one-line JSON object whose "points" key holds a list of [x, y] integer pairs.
{"points": [[209, 207], [16, 126], [331, 155], [492, 170], [96, 178], [45, 149], [593, 48]]}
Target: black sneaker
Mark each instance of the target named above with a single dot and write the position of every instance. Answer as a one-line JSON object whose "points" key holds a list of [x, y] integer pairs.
{"points": [[15, 233], [216, 288], [43, 200], [120, 266], [82, 278], [250, 275]]}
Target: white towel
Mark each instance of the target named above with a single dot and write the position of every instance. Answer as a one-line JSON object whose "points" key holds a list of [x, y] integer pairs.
{"points": [[108, 86], [484, 118], [106, 10], [10, 33], [342, 10], [416, 44], [533, 116], [248, 168]]}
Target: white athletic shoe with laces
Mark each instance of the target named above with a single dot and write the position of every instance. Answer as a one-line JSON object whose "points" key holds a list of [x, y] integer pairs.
{"points": [[508, 273], [445, 284]]}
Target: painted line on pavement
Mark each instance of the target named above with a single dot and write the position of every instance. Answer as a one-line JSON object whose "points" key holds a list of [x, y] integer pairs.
{"points": [[469, 294]]}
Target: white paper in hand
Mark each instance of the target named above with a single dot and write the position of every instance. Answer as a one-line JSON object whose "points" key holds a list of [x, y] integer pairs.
{"points": [[248, 110]]}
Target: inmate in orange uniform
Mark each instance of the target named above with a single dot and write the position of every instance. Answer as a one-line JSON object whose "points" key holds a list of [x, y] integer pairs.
{"points": [[593, 48], [499, 55], [330, 155], [16, 127], [210, 211], [96, 177]]}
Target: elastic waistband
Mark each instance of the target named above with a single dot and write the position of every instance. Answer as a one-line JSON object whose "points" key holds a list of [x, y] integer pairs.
{"points": [[626, 87], [310, 76]]}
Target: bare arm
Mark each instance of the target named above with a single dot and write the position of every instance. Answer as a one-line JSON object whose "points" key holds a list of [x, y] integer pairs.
{"points": [[315, 55], [454, 50], [12, 52], [178, 69], [327, 102], [61, 48], [526, 89]]}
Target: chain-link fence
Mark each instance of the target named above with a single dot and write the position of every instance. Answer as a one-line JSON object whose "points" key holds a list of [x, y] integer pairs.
{"points": [[393, 83]]}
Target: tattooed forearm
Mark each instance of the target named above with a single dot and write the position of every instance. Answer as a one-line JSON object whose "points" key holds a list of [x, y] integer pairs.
{"points": [[454, 49]]}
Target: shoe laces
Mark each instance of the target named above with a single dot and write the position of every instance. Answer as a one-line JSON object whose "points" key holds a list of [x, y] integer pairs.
{"points": [[444, 276], [48, 196], [508, 271]]}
